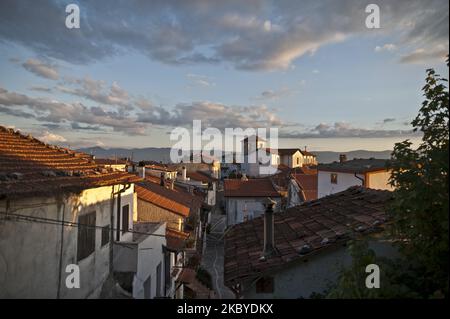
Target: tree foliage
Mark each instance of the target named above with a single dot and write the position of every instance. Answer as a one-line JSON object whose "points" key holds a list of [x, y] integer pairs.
{"points": [[420, 177], [419, 211]]}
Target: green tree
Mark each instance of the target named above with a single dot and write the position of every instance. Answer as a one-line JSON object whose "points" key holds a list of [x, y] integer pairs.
{"points": [[420, 178], [419, 212]]}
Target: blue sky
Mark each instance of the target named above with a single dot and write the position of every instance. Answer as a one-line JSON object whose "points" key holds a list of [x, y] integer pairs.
{"points": [[135, 70]]}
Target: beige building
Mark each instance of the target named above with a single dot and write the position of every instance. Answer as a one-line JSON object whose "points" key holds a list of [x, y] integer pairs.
{"points": [[338, 176]]}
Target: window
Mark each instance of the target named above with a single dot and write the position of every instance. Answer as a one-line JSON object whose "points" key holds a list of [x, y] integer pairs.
{"points": [[158, 280], [333, 178], [86, 235], [105, 235], [125, 218], [264, 285], [298, 160]]}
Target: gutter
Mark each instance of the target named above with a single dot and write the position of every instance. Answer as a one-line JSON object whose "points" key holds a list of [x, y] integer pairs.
{"points": [[363, 182], [111, 228]]}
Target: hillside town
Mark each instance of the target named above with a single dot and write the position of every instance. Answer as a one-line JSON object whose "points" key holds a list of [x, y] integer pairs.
{"points": [[180, 230], [211, 159]]}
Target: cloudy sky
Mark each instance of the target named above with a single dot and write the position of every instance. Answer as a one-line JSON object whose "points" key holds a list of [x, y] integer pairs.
{"points": [[134, 70]]}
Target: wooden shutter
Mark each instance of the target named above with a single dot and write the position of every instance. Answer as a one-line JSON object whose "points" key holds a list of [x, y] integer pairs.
{"points": [[86, 235], [125, 218]]}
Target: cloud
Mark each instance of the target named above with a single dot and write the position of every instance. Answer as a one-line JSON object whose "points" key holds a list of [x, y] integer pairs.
{"points": [[386, 47], [275, 94], [49, 137], [39, 88], [56, 112], [199, 80], [96, 91], [425, 55], [135, 122], [249, 35], [41, 69], [343, 130], [212, 114]]}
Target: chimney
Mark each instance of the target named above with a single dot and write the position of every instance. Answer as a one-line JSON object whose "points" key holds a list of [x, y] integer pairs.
{"points": [[342, 158], [183, 171], [161, 180], [269, 242]]}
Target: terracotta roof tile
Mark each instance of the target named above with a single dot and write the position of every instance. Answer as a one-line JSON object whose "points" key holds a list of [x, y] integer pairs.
{"points": [[308, 183], [259, 187], [175, 240], [320, 223], [359, 165], [162, 197], [201, 176], [29, 166]]}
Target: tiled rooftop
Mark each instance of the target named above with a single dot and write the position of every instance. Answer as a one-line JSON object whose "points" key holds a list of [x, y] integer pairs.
{"points": [[175, 240], [29, 166], [259, 187], [177, 200], [308, 183], [160, 167], [306, 178], [287, 151], [162, 197], [359, 165], [302, 230], [201, 176]]}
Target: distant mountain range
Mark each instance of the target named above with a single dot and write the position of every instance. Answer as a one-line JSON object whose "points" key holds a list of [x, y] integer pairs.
{"points": [[163, 154]]}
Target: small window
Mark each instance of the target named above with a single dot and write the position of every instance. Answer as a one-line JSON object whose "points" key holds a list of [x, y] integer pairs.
{"points": [[86, 235], [264, 285], [298, 161], [125, 218], [334, 178], [105, 235]]}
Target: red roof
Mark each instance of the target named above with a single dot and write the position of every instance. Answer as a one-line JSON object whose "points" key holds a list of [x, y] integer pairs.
{"points": [[249, 188], [29, 166], [175, 240], [201, 176], [160, 168], [308, 184], [162, 197], [288, 151], [303, 230]]}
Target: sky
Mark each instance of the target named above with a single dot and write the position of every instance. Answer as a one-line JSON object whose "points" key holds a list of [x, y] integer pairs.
{"points": [[135, 70]]}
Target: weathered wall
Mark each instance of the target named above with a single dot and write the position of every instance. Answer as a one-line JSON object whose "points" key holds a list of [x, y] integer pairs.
{"points": [[344, 181], [150, 254], [30, 251], [254, 207], [151, 213], [302, 278]]}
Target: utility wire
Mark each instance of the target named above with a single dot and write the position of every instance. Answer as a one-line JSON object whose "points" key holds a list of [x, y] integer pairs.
{"points": [[59, 222]]}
